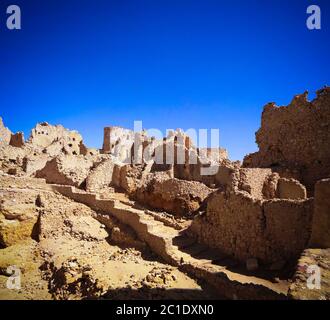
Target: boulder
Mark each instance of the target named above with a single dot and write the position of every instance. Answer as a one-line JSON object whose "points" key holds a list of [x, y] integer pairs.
{"points": [[175, 196]]}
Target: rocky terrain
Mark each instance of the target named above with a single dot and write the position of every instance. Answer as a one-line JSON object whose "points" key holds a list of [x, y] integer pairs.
{"points": [[120, 223]]}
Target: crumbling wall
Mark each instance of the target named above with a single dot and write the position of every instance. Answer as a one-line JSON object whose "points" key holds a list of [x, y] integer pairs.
{"points": [[290, 189], [46, 142], [233, 223], [252, 181], [101, 176], [295, 138], [11, 159], [55, 140], [66, 170], [17, 140], [118, 141], [34, 162], [217, 154], [245, 227], [321, 220], [5, 134], [130, 178], [88, 151], [176, 152], [288, 226], [203, 167]]}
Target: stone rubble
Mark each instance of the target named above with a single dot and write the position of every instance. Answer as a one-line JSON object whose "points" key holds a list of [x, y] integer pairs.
{"points": [[269, 215]]}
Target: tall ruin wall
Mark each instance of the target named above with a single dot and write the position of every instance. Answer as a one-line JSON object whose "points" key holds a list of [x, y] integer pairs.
{"points": [[5, 134], [294, 140]]}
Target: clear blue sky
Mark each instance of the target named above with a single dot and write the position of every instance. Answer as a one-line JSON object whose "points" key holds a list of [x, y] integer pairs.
{"points": [[184, 63]]}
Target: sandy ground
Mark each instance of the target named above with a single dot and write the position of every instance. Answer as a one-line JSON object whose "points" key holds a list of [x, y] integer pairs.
{"points": [[64, 252]]}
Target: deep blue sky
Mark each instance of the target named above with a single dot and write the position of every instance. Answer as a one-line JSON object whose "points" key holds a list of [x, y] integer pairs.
{"points": [[186, 63]]}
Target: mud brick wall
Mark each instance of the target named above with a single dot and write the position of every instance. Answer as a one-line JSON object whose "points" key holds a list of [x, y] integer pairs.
{"points": [[296, 137], [245, 227], [321, 219]]}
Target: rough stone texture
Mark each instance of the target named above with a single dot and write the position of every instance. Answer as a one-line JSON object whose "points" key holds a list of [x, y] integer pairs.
{"points": [[270, 186], [5, 134], [290, 189], [18, 218], [311, 262], [17, 140], [130, 178], [244, 227], [75, 257], [54, 140], [32, 163], [171, 153], [176, 196], [46, 142], [13, 231], [252, 181], [102, 175], [116, 175], [288, 226], [202, 167], [194, 259], [11, 159], [85, 151], [23, 254], [321, 220], [233, 223], [296, 137], [228, 175], [120, 233], [258, 216], [67, 170]]}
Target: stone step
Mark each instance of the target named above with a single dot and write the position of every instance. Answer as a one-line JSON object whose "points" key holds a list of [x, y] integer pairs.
{"points": [[192, 258]]}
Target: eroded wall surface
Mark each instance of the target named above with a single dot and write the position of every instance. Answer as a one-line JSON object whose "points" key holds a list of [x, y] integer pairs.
{"points": [[245, 227], [294, 140], [321, 220], [5, 134]]}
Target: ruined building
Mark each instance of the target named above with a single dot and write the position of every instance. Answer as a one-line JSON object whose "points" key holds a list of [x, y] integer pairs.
{"points": [[185, 215], [294, 140]]}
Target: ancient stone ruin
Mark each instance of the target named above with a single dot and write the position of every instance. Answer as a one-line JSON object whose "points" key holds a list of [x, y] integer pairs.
{"points": [[294, 140], [160, 214]]}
